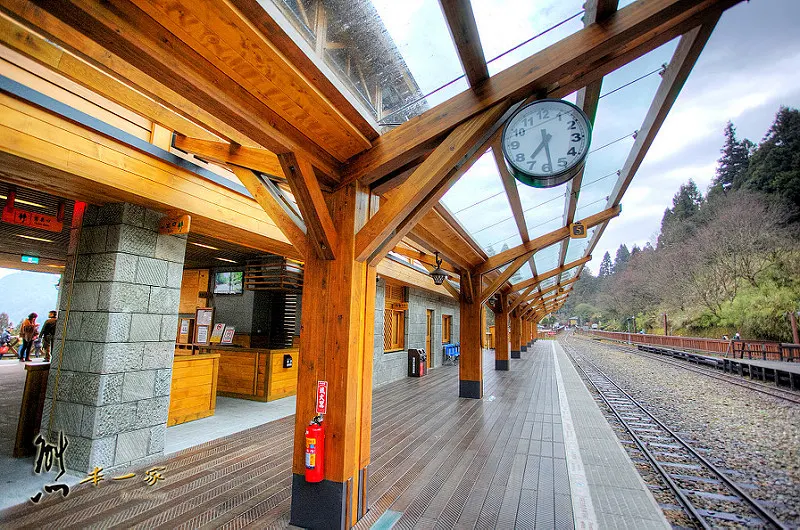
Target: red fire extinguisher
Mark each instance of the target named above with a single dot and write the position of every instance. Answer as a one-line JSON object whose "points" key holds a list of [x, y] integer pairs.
{"points": [[315, 450]]}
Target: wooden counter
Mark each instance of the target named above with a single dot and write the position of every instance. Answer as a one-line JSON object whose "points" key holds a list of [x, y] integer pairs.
{"points": [[194, 387], [255, 373]]}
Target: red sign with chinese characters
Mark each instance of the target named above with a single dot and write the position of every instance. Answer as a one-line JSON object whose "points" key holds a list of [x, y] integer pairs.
{"points": [[322, 397], [32, 219]]}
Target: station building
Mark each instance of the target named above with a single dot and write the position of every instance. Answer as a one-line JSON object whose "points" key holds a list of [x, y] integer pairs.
{"points": [[231, 215]]}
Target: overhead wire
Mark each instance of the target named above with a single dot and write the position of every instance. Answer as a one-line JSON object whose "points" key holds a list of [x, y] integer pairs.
{"points": [[462, 76]]}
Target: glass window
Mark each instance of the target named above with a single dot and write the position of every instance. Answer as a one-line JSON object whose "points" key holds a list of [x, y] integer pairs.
{"points": [[394, 318], [447, 328]]}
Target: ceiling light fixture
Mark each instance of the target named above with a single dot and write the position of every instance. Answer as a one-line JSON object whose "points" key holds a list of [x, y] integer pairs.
{"points": [[438, 275], [36, 238], [35, 204], [204, 246], [228, 260]]}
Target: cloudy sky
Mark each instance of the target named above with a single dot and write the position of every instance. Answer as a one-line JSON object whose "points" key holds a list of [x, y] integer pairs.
{"points": [[749, 68]]}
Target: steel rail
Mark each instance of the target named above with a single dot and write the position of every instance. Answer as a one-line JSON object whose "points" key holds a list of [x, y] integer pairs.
{"points": [[761, 511]]}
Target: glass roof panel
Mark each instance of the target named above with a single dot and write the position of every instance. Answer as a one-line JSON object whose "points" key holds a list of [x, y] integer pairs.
{"points": [[505, 24], [549, 282], [479, 203], [577, 247], [389, 54], [624, 101], [547, 259]]}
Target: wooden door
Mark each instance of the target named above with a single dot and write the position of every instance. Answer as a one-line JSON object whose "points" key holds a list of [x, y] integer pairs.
{"points": [[429, 337]]}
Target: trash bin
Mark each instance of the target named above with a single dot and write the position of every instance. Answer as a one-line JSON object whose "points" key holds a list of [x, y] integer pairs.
{"points": [[416, 362]]}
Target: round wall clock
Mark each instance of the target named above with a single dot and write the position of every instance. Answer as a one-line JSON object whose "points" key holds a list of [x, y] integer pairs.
{"points": [[546, 142]]}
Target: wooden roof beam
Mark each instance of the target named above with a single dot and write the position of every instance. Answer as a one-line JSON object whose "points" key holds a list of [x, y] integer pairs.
{"points": [[464, 32], [254, 158], [578, 59], [672, 81], [425, 259], [498, 282], [430, 181], [322, 234], [268, 197], [549, 274], [149, 57], [498, 260]]}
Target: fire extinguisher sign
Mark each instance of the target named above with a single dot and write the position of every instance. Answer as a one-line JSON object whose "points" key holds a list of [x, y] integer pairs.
{"points": [[322, 397]]}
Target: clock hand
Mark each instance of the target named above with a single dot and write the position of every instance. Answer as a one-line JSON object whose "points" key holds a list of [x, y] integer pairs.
{"points": [[546, 140], [541, 146]]}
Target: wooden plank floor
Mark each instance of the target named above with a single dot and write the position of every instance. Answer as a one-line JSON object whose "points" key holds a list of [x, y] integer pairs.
{"points": [[437, 462]]}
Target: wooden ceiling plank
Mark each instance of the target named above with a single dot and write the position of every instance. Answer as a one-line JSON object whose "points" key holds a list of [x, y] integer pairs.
{"points": [[268, 199], [227, 40], [447, 216], [498, 260], [32, 45], [260, 19], [307, 193], [429, 182], [580, 58], [498, 282], [464, 33], [140, 41]]}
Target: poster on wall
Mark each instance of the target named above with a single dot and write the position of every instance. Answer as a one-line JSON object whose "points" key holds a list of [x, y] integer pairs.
{"points": [[205, 315], [216, 335], [227, 336], [184, 332], [202, 335]]}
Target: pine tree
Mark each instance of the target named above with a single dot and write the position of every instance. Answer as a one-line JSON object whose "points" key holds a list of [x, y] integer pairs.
{"points": [[733, 162], [775, 165], [621, 259], [606, 268], [680, 221]]}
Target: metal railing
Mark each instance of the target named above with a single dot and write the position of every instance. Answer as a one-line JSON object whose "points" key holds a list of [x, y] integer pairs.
{"points": [[736, 349]]}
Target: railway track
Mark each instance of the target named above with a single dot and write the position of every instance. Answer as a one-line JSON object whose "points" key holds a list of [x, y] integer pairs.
{"points": [[786, 395], [706, 494]]}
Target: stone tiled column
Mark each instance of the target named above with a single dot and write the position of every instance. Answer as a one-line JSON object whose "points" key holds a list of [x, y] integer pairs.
{"points": [[112, 388]]}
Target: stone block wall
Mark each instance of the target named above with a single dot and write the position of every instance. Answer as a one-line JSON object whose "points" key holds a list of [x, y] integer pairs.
{"points": [[392, 366], [112, 389]]}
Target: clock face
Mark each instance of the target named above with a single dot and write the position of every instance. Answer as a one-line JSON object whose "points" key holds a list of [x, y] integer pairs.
{"points": [[546, 142]]}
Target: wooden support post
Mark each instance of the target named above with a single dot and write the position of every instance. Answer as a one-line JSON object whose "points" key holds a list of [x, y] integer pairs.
{"points": [[470, 364], [501, 334], [534, 329], [484, 340], [526, 330], [336, 342], [516, 335]]}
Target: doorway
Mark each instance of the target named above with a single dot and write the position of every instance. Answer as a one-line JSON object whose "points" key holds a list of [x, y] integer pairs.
{"points": [[429, 337]]}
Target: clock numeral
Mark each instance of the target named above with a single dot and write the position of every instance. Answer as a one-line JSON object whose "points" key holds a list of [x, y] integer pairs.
{"points": [[520, 157], [572, 125], [547, 168], [514, 145], [528, 121], [519, 132], [576, 137], [543, 114], [531, 164], [572, 151], [562, 162]]}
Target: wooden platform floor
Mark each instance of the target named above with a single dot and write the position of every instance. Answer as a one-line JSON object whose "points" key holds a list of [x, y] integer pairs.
{"points": [[437, 462]]}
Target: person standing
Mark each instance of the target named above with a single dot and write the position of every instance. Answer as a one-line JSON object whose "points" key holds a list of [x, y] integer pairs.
{"points": [[27, 331], [48, 334]]}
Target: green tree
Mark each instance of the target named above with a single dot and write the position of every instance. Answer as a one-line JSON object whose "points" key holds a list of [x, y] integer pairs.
{"points": [[733, 163], [621, 259], [680, 221], [774, 167], [3, 321], [606, 267]]}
